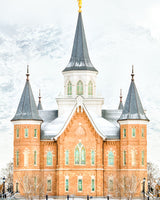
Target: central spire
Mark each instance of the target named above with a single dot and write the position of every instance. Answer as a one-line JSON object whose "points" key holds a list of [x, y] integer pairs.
{"points": [[80, 59]]}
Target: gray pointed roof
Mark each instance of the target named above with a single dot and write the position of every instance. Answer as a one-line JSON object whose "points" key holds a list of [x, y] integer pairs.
{"points": [[40, 106], [120, 107], [80, 57], [27, 109], [133, 109]]}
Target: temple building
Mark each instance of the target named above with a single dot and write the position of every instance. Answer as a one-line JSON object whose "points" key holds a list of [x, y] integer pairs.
{"points": [[80, 149]]}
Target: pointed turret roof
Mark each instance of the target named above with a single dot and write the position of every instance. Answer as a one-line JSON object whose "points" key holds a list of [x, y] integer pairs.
{"points": [[27, 109], [133, 109], [39, 103], [120, 107], [80, 57]]}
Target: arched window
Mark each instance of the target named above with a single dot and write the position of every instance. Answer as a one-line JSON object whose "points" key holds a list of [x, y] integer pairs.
{"points": [[79, 88], [90, 88], [80, 154], [76, 155], [133, 157], [111, 158], [35, 157], [92, 157], [17, 158], [69, 88], [124, 157], [49, 158], [143, 157], [49, 185], [26, 158], [17, 187], [110, 184]]}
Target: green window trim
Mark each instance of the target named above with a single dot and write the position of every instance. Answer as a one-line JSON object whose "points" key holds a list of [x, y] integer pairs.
{"points": [[49, 185], [67, 185], [90, 88], [35, 157], [124, 157], [35, 132], [17, 158], [26, 132], [80, 155], [124, 133], [17, 132], [133, 132], [92, 157], [80, 185], [110, 158], [143, 132], [79, 88], [76, 158], [67, 157], [49, 158], [69, 88], [93, 185], [143, 157], [83, 156]]}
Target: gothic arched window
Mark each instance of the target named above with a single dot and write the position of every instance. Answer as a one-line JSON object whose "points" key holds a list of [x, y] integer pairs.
{"points": [[80, 154], [79, 88], [111, 158], [49, 158], [69, 88], [90, 88]]}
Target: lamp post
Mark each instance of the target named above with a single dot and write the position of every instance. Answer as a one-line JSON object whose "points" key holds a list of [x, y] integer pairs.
{"points": [[143, 191], [3, 186]]}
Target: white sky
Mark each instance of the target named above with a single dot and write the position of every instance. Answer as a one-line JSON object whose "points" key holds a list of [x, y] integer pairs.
{"points": [[40, 33]]}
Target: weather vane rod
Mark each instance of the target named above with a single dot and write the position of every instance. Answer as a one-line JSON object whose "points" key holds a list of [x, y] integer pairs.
{"points": [[80, 5]]}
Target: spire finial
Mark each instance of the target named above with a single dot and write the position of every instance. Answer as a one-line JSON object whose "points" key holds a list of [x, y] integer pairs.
{"points": [[27, 73], [80, 5], [39, 95], [132, 73], [121, 95]]}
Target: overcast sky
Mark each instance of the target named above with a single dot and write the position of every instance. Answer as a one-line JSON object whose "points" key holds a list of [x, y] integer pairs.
{"points": [[41, 32]]}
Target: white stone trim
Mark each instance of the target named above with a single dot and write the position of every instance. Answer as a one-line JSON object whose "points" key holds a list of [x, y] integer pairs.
{"points": [[133, 122], [18, 122]]}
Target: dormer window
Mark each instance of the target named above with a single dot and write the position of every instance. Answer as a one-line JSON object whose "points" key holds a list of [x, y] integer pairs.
{"points": [[69, 88], [90, 88], [79, 88]]}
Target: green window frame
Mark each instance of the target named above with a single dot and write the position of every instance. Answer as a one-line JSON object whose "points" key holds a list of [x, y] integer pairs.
{"points": [[35, 132], [17, 158], [35, 157], [124, 133], [83, 156], [26, 132], [92, 157], [17, 132], [67, 185], [76, 156], [49, 185], [143, 157], [93, 185], [67, 157], [133, 132], [90, 88], [49, 158], [143, 132], [124, 157], [69, 88], [111, 158], [80, 185], [79, 88]]}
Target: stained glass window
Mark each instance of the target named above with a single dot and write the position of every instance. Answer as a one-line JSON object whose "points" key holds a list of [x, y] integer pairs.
{"points": [[93, 185], [49, 185], [67, 185], [17, 158], [79, 185], [83, 156], [35, 157], [124, 132], [69, 88], [35, 132], [79, 88], [124, 157], [92, 157], [90, 88], [111, 158], [143, 157], [67, 157], [142, 132], [77, 155], [49, 158], [133, 132], [26, 132], [17, 132]]}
